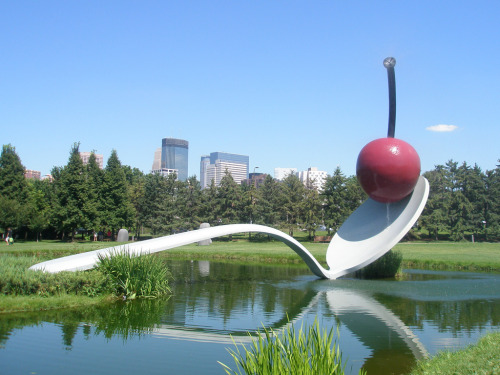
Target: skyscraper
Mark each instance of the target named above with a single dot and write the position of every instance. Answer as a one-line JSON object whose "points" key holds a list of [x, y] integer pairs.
{"points": [[214, 167], [204, 163], [157, 159], [174, 155]]}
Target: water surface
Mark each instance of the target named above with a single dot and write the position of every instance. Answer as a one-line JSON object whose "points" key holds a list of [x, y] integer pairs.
{"points": [[385, 325]]}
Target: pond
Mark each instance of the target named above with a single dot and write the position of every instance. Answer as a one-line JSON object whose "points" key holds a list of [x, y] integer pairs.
{"points": [[384, 325]]}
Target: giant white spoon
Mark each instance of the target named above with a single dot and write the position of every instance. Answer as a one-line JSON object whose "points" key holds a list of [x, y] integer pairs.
{"points": [[372, 230]]}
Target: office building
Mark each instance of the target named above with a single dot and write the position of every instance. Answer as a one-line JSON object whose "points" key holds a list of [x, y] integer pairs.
{"points": [[256, 179], [85, 156], [313, 178], [157, 160], [204, 163], [214, 167], [165, 172], [31, 174], [174, 156], [281, 173]]}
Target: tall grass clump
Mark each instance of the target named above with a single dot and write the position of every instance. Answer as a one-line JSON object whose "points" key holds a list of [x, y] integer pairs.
{"points": [[310, 351], [134, 275], [386, 266]]}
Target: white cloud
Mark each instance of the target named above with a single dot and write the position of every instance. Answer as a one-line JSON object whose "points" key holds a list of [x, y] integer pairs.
{"points": [[442, 128]]}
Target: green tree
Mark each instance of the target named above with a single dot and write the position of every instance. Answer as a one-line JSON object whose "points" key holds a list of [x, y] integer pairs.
{"points": [[117, 210], [491, 225], [12, 181], [93, 205], [151, 200], [292, 211], [191, 203], [12, 189], [335, 200], [37, 207], [355, 195], [71, 194], [269, 203], [473, 185], [434, 217], [209, 201], [312, 211], [228, 201], [136, 193]]}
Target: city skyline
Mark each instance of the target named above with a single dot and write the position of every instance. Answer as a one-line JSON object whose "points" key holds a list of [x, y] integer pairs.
{"points": [[295, 84]]}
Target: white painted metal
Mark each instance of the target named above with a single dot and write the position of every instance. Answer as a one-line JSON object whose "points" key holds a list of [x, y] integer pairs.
{"points": [[372, 230]]}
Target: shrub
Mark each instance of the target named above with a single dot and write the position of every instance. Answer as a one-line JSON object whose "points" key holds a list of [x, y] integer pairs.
{"points": [[387, 265], [313, 351], [133, 275]]}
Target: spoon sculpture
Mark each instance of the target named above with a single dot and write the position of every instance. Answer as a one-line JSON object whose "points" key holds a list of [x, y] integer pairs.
{"points": [[388, 170]]}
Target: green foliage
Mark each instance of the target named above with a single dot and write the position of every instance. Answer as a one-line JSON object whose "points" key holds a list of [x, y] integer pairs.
{"points": [[292, 206], [481, 359], [463, 201], [309, 351], [17, 280], [228, 201], [12, 182], [386, 266], [71, 194], [12, 188], [117, 209], [135, 276]]}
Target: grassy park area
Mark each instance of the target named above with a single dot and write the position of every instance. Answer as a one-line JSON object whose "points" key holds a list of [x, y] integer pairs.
{"points": [[467, 256]]}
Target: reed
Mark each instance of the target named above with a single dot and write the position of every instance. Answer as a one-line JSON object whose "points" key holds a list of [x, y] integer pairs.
{"points": [[311, 350], [134, 276]]}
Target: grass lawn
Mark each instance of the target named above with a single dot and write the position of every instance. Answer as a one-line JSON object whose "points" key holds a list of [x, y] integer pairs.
{"points": [[482, 358], [479, 256]]}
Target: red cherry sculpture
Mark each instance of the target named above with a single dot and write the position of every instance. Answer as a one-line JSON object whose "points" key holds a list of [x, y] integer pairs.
{"points": [[388, 169]]}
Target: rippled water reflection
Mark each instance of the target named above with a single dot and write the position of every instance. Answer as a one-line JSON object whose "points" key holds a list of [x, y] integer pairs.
{"points": [[384, 325]]}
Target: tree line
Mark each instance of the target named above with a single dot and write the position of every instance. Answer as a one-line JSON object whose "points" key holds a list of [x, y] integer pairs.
{"points": [[463, 201]]}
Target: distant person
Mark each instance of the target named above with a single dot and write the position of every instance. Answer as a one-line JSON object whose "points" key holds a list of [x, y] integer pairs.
{"points": [[9, 236], [95, 236]]}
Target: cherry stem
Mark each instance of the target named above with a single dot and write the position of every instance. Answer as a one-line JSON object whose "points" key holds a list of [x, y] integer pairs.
{"points": [[389, 63]]}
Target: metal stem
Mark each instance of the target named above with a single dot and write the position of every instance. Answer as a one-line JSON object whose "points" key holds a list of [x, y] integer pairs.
{"points": [[389, 63]]}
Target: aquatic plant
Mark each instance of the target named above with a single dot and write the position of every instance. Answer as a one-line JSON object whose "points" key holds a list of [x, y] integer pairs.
{"points": [[388, 265], [134, 275], [311, 350]]}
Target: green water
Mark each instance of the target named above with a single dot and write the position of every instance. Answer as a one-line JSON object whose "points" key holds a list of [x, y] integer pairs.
{"points": [[385, 325]]}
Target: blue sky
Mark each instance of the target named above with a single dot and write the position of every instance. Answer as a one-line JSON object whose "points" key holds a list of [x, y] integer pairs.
{"points": [[289, 83]]}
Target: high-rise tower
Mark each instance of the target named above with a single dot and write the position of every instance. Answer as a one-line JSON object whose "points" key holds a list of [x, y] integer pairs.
{"points": [[174, 155]]}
